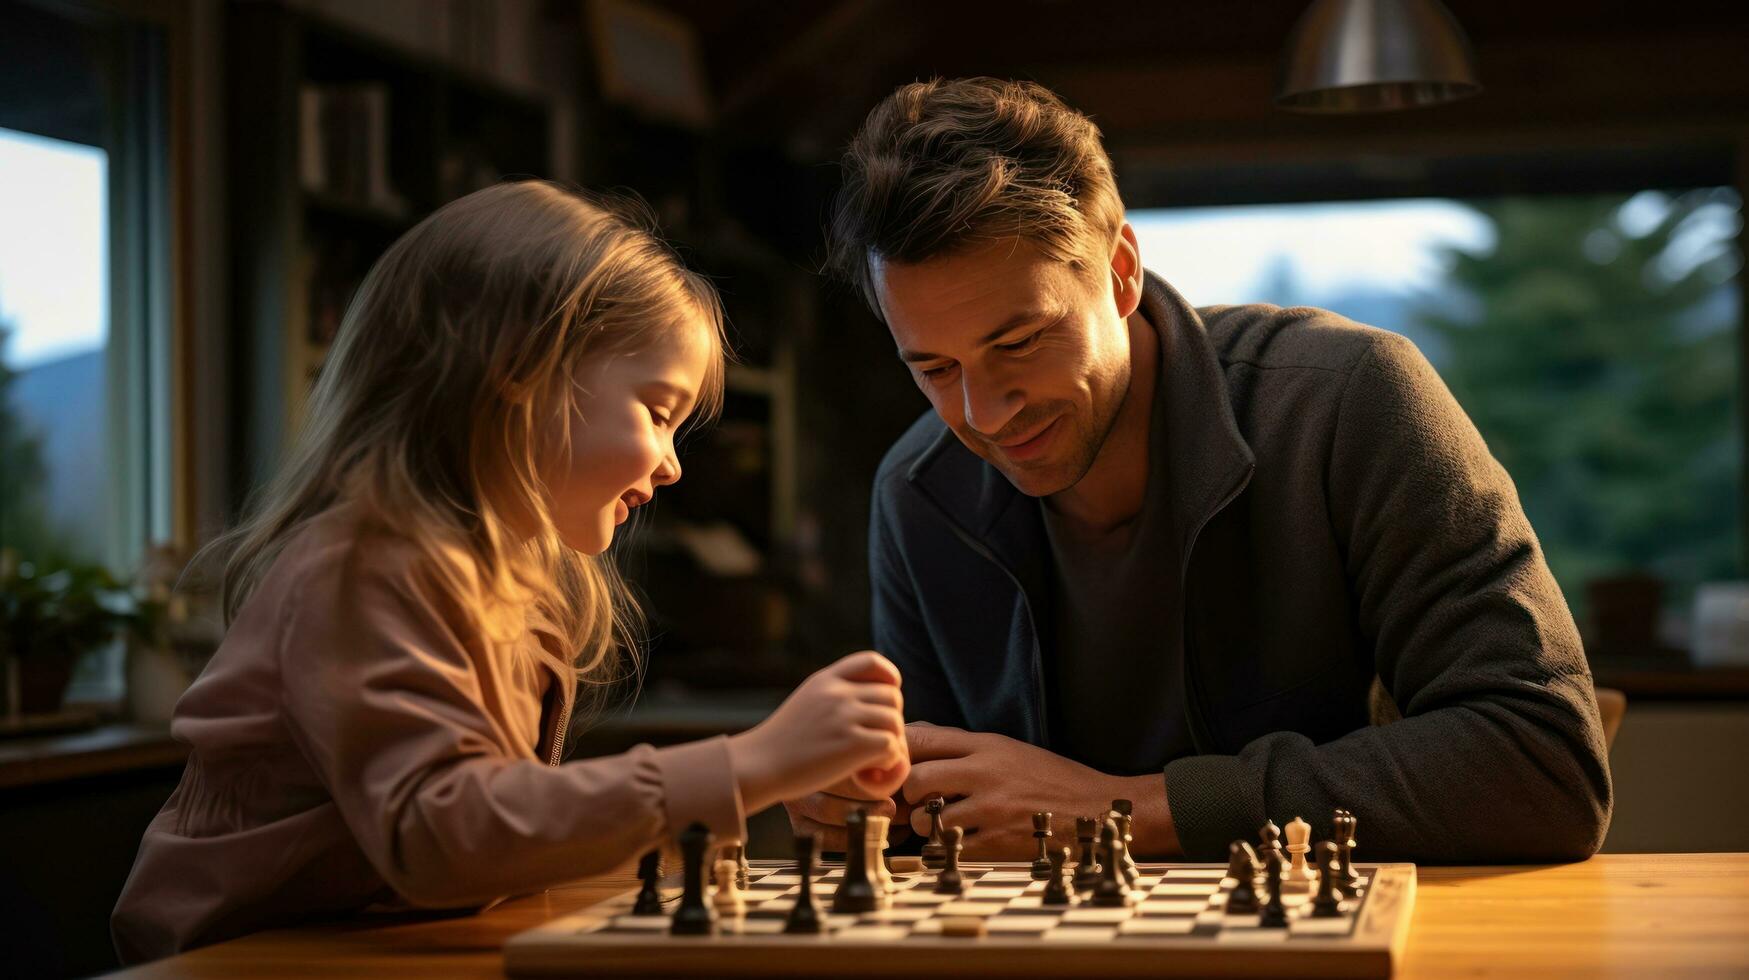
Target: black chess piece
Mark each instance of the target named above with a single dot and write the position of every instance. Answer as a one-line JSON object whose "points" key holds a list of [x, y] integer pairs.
{"points": [[856, 893], [694, 917], [933, 855], [1274, 915], [1328, 902], [1242, 868], [1057, 892], [949, 881], [1087, 865], [1350, 879], [1270, 837], [804, 916], [1041, 832], [650, 893], [1110, 892]]}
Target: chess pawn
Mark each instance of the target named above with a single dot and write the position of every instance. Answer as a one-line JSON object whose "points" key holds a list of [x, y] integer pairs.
{"points": [[1058, 892], [728, 900], [738, 854], [1269, 835], [1132, 874], [1041, 833], [856, 893], [1242, 869], [877, 861], [1111, 891], [1345, 824], [949, 881], [1328, 903], [804, 917], [1274, 914], [1125, 810], [1299, 874], [1087, 865], [650, 893], [933, 854]]}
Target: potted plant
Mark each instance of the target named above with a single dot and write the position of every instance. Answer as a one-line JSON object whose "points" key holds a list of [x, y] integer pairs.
{"points": [[49, 618]]}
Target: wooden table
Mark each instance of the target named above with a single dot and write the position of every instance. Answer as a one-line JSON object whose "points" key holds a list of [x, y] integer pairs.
{"points": [[1616, 914]]}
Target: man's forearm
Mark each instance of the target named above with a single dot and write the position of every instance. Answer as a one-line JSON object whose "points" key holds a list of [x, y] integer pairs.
{"points": [[1154, 835]]}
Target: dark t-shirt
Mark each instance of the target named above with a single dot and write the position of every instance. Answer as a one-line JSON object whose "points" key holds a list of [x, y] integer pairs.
{"points": [[1115, 687]]}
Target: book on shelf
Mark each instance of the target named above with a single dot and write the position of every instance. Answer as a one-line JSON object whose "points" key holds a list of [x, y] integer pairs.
{"points": [[343, 145]]}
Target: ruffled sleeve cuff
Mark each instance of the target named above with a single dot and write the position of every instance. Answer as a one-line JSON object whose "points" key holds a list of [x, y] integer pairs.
{"points": [[698, 785]]}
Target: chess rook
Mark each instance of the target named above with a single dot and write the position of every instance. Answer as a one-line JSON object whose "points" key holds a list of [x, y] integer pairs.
{"points": [[1041, 834], [1087, 864]]}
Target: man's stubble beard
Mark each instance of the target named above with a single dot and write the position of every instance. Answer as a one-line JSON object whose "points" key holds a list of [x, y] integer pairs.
{"points": [[1076, 460]]}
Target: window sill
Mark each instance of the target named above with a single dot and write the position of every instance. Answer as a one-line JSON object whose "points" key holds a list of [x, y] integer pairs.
{"points": [[102, 751]]}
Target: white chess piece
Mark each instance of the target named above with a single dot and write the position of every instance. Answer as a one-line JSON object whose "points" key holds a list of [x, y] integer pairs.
{"points": [[1299, 835], [877, 844], [728, 900]]}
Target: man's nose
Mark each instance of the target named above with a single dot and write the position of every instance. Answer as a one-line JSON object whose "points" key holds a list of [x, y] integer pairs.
{"points": [[989, 402]]}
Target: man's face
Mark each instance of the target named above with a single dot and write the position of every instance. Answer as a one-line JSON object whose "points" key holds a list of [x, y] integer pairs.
{"points": [[1026, 358]]}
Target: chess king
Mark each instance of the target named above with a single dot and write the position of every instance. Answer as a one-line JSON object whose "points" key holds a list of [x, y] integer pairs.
{"points": [[1191, 557]]}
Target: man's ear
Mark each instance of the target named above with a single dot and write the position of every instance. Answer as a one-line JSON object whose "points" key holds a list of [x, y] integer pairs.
{"points": [[1126, 271]]}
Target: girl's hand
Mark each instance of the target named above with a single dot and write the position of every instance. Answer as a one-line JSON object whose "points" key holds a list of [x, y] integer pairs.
{"points": [[846, 722]]}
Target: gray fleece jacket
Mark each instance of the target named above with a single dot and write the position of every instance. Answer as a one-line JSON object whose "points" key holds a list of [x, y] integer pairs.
{"points": [[1338, 520]]}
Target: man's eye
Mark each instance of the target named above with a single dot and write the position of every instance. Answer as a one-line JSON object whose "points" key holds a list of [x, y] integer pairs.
{"points": [[1019, 345], [937, 373]]}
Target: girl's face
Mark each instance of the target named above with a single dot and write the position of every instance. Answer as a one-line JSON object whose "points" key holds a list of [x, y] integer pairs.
{"points": [[622, 439]]}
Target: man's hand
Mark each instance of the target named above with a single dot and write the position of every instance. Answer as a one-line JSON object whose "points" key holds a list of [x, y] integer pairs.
{"points": [[993, 784], [823, 813]]}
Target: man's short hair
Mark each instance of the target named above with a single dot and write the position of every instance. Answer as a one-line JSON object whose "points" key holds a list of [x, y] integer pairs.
{"points": [[941, 167]]}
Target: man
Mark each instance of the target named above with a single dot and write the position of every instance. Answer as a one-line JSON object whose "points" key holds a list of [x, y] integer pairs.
{"points": [[1148, 551]]}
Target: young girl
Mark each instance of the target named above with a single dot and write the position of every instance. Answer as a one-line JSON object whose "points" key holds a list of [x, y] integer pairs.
{"points": [[417, 597]]}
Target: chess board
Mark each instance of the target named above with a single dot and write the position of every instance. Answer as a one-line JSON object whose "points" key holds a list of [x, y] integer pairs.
{"points": [[1176, 927]]}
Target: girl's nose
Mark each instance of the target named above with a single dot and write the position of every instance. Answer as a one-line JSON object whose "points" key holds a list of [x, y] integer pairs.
{"points": [[668, 473]]}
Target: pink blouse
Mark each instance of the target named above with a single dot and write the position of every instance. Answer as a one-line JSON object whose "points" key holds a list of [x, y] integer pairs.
{"points": [[354, 742]]}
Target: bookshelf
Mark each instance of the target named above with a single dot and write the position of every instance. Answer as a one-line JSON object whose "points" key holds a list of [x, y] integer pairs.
{"points": [[337, 143]]}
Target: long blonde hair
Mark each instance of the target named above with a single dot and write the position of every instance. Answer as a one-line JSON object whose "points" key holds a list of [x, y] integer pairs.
{"points": [[452, 371]]}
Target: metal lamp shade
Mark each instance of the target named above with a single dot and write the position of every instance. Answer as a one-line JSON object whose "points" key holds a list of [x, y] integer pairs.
{"points": [[1375, 55]]}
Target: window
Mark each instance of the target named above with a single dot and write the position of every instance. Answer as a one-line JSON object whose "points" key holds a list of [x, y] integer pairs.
{"points": [[84, 295], [1594, 339]]}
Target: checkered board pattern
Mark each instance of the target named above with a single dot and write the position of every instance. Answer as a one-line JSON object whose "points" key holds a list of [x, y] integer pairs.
{"points": [[1176, 924]]}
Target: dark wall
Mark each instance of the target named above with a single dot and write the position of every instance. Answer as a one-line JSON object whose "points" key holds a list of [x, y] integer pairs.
{"points": [[66, 852]]}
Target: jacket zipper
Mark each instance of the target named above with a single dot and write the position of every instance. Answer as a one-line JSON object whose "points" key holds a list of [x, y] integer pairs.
{"points": [[1193, 689], [1038, 671], [557, 754]]}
